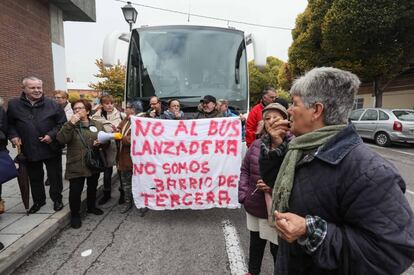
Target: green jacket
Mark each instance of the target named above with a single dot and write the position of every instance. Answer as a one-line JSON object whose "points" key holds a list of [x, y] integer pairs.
{"points": [[76, 151]]}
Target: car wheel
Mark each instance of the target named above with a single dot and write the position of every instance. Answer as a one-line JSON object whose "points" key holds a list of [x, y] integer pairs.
{"points": [[382, 139]]}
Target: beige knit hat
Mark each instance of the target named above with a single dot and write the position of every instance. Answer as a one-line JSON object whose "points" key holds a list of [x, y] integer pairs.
{"points": [[277, 107]]}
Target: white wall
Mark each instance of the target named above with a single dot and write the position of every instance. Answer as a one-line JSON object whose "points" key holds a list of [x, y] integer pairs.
{"points": [[59, 66]]}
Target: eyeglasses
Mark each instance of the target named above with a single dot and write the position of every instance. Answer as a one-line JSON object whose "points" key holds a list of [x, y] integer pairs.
{"points": [[154, 103], [78, 108], [58, 97]]}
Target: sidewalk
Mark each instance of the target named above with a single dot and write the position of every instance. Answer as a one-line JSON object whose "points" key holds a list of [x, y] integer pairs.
{"points": [[22, 235]]}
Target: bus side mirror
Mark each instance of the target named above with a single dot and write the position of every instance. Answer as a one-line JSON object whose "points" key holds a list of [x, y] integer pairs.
{"points": [[258, 40], [109, 46]]}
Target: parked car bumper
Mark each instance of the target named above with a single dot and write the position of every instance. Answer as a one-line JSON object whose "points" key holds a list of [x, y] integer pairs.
{"points": [[400, 137]]}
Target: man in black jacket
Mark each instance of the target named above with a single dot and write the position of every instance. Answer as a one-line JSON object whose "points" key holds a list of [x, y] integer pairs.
{"points": [[34, 121], [339, 206]]}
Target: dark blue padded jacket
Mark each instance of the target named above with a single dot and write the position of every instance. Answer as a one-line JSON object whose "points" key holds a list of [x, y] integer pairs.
{"points": [[361, 196]]}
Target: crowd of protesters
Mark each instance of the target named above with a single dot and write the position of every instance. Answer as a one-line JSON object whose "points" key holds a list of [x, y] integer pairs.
{"points": [[42, 127], [325, 202]]}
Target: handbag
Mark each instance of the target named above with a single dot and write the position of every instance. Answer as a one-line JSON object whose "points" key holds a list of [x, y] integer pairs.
{"points": [[94, 158], [8, 170]]}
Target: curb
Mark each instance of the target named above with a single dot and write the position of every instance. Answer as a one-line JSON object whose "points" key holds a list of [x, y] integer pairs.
{"points": [[18, 252]]}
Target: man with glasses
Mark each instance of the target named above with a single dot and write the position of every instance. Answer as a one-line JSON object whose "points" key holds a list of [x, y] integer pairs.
{"points": [[269, 95], [155, 110], [34, 121]]}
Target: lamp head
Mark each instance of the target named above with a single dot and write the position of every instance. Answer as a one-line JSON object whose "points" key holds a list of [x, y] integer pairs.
{"points": [[130, 13]]}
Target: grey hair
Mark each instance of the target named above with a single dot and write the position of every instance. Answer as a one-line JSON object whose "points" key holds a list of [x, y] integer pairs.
{"points": [[334, 88], [136, 105], [30, 78]]}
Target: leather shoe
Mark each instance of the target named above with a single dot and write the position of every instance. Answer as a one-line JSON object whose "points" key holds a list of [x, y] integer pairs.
{"points": [[58, 205], [36, 207], [95, 211], [75, 222]]}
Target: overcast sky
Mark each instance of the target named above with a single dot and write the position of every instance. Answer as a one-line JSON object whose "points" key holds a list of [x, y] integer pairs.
{"points": [[83, 41]]}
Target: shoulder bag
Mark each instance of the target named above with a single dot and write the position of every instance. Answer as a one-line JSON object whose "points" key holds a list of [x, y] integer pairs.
{"points": [[94, 158]]}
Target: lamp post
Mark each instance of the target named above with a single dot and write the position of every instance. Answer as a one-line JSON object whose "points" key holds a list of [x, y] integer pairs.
{"points": [[130, 14]]}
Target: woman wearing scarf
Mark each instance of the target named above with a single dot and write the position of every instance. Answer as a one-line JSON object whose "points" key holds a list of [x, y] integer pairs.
{"points": [[339, 207], [173, 111], [256, 182], [110, 117]]}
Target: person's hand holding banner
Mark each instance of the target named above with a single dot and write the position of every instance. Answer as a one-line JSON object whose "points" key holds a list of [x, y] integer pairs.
{"points": [[186, 164]]}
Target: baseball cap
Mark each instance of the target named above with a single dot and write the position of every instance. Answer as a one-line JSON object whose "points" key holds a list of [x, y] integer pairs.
{"points": [[276, 106], [208, 98]]}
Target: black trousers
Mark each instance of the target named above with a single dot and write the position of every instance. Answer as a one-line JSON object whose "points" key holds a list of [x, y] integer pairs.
{"points": [[256, 252], [75, 192], [107, 181], [36, 177]]}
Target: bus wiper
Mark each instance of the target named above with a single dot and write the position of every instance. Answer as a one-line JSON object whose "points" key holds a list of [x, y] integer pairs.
{"points": [[237, 65]]}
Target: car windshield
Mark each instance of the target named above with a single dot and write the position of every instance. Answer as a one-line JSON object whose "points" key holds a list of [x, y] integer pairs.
{"points": [[404, 115]]}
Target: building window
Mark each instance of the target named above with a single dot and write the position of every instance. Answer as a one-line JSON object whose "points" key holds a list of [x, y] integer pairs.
{"points": [[358, 103]]}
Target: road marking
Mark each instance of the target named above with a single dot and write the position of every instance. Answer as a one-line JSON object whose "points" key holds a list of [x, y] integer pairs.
{"points": [[233, 249], [397, 151], [402, 152], [409, 192]]}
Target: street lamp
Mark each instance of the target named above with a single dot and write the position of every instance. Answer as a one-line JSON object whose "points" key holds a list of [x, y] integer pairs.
{"points": [[130, 14]]}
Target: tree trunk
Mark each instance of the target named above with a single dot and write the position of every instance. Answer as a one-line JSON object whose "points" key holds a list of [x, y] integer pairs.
{"points": [[378, 92]]}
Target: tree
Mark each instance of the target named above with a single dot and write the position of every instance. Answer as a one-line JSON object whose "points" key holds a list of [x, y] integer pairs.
{"points": [[114, 80], [73, 96], [258, 79], [284, 94], [373, 39], [305, 52], [284, 77]]}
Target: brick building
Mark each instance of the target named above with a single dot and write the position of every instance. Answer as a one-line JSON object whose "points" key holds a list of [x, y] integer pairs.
{"points": [[32, 41]]}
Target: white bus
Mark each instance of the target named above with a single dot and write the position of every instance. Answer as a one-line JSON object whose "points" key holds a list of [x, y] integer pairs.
{"points": [[186, 62]]}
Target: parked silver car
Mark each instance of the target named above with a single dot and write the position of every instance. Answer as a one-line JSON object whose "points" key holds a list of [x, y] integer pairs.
{"points": [[384, 125]]}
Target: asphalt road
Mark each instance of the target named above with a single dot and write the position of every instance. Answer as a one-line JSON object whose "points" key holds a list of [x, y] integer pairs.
{"points": [[167, 242]]}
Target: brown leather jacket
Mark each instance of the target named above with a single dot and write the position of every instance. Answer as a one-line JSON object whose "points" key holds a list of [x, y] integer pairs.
{"points": [[124, 162]]}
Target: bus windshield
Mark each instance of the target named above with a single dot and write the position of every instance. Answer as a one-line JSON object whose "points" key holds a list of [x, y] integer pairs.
{"points": [[188, 62]]}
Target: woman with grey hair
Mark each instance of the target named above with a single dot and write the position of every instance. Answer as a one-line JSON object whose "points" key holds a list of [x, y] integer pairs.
{"points": [[339, 207]]}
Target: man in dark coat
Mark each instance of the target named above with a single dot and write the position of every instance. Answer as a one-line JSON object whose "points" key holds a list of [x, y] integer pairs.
{"points": [[207, 108], [339, 207], [34, 121]]}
